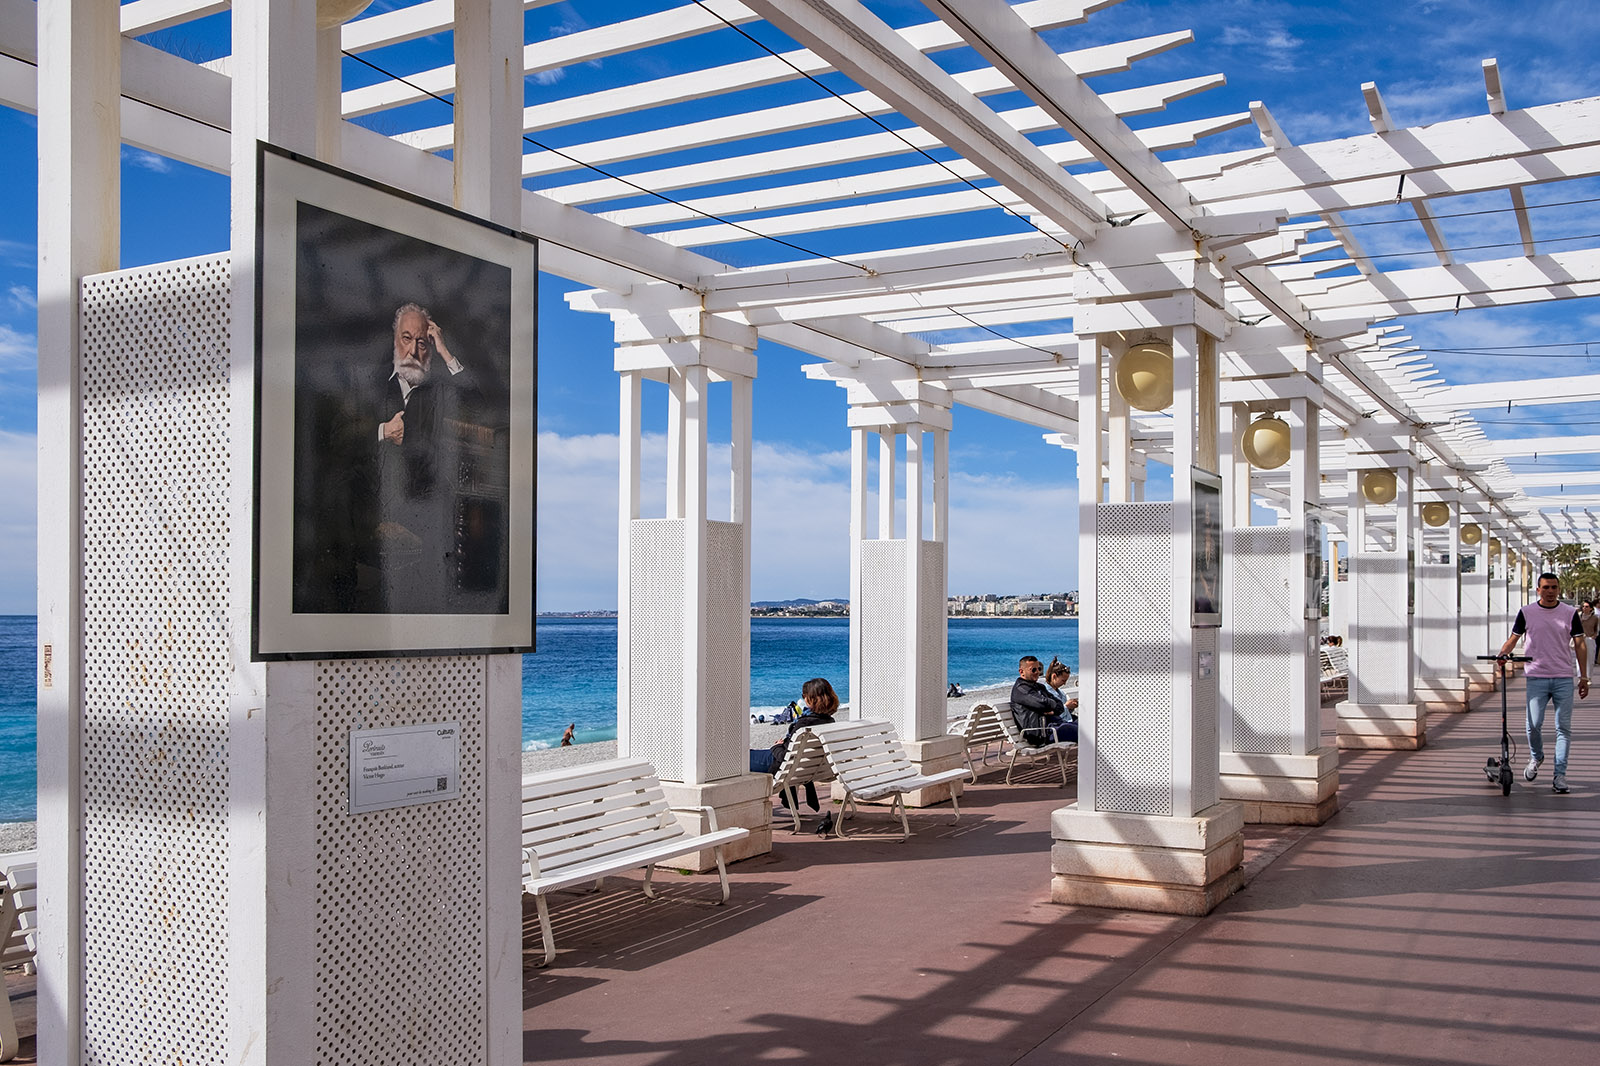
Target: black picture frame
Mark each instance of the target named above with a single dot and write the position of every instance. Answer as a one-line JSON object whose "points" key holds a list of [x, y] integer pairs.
{"points": [[1206, 528], [394, 498]]}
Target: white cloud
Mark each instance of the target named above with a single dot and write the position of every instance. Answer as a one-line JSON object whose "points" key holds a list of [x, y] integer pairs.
{"points": [[17, 347], [147, 160], [18, 537], [24, 297]]}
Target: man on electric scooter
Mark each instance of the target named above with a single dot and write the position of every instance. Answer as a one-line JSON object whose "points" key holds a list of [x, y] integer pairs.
{"points": [[1553, 629]]}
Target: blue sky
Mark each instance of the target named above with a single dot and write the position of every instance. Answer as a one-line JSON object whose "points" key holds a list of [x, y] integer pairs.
{"points": [[1013, 522]]}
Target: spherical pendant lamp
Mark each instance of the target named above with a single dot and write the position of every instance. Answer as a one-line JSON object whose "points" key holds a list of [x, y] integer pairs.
{"points": [[1471, 533], [1266, 442], [1435, 514], [1494, 545], [331, 13], [1144, 376], [1379, 486]]}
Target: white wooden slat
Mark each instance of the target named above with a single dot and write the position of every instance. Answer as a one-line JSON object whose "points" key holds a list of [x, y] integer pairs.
{"points": [[605, 867], [552, 782], [545, 816]]}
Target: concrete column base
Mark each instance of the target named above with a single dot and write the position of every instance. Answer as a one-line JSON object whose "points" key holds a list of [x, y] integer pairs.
{"points": [[930, 756], [1443, 694], [1382, 726], [743, 801], [1147, 862], [1283, 789], [1480, 678]]}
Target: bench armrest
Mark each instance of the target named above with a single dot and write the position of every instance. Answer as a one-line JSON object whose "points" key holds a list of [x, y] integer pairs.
{"points": [[711, 815], [532, 859]]}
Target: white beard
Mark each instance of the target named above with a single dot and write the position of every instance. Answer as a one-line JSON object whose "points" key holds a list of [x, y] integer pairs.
{"points": [[410, 371]]}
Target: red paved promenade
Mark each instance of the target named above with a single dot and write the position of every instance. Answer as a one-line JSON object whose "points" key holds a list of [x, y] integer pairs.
{"points": [[1432, 922]]}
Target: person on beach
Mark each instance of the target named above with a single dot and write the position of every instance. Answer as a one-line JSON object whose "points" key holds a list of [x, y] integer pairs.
{"points": [[1041, 716], [1056, 676], [821, 703], [566, 738], [1554, 631]]}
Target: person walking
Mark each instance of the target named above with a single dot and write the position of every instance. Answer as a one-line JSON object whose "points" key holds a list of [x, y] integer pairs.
{"points": [[1552, 627], [1591, 627]]}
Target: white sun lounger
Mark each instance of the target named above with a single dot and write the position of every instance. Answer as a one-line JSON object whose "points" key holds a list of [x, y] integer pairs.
{"points": [[19, 877]]}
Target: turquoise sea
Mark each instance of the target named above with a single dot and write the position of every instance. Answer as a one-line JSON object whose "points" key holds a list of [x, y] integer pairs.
{"points": [[572, 678]]}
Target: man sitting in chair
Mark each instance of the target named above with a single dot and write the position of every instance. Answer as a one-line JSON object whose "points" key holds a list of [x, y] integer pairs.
{"points": [[1040, 715]]}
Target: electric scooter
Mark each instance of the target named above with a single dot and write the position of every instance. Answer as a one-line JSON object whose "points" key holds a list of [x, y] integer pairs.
{"points": [[1499, 770]]}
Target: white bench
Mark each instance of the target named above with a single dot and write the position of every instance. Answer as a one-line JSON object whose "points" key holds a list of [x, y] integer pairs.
{"points": [[19, 946], [584, 823], [1021, 748], [979, 727], [803, 762], [1335, 670], [870, 762]]}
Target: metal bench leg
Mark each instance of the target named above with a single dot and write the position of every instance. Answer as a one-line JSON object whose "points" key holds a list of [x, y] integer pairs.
{"points": [[1012, 768], [544, 929], [955, 804], [905, 826], [844, 809], [1063, 765], [648, 871], [722, 872], [794, 808]]}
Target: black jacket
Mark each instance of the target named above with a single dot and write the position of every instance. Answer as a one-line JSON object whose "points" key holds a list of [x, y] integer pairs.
{"points": [[1035, 708]]}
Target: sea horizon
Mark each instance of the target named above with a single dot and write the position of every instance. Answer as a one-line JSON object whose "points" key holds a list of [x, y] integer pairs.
{"points": [[571, 678]]}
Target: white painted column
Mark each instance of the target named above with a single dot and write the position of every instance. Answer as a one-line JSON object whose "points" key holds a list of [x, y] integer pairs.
{"points": [[1149, 830], [1381, 711], [1440, 683], [1477, 633], [898, 625], [80, 86], [683, 634]]}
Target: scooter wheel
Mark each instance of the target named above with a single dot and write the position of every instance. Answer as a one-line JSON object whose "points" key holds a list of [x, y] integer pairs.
{"points": [[1505, 781]]}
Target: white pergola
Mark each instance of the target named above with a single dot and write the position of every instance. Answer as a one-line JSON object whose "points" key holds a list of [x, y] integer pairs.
{"points": [[807, 175]]}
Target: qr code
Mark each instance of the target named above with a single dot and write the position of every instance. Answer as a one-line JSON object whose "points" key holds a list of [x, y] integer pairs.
{"points": [[443, 785]]}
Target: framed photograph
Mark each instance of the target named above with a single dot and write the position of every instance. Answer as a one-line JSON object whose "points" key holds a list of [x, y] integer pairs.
{"points": [[396, 369], [1207, 573]]}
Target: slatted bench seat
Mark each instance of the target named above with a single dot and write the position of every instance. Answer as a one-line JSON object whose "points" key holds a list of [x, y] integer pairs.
{"points": [[584, 823], [19, 883], [870, 762], [979, 728], [1021, 748], [1335, 670], [803, 761]]}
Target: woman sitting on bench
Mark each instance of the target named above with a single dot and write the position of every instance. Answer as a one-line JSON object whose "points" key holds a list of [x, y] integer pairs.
{"points": [[821, 701]]}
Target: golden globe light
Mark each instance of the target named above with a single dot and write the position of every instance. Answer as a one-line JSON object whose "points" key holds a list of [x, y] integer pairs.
{"points": [[331, 13], [1494, 545], [1471, 533], [1379, 486], [1144, 376], [1436, 513], [1266, 442]]}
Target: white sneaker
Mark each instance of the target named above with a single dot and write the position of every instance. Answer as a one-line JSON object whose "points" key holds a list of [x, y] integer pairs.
{"points": [[1558, 783], [1532, 770]]}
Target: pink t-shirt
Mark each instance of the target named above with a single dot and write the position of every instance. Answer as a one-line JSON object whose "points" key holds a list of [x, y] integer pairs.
{"points": [[1550, 631]]}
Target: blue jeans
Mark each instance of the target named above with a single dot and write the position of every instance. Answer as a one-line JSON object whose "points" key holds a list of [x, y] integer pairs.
{"points": [[1541, 691]]}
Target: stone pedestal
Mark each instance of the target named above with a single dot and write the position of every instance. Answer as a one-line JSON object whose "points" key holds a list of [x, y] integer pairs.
{"points": [[1147, 862], [742, 802], [1384, 726], [1283, 789], [1443, 694]]}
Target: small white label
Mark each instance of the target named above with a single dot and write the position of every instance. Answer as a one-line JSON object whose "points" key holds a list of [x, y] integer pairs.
{"points": [[404, 765]]}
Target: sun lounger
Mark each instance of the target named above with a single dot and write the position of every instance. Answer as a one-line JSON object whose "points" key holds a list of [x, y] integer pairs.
{"points": [[803, 761], [19, 946], [584, 823], [871, 764], [1022, 749]]}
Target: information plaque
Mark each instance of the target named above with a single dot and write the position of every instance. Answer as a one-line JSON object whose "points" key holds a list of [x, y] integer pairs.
{"points": [[404, 765]]}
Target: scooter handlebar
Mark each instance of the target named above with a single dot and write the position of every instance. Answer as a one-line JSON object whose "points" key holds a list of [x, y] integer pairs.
{"points": [[1505, 658]]}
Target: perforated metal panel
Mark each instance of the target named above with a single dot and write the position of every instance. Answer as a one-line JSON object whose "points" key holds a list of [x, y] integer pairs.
{"points": [[727, 652], [1476, 638], [1266, 629], [1133, 658], [655, 645], [934, 644], [1381, 633], [883, 629], [1438, 632], [1206, 760], [401, 927], [155, 786]]}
